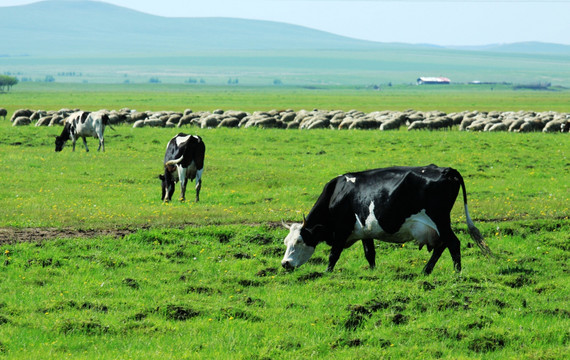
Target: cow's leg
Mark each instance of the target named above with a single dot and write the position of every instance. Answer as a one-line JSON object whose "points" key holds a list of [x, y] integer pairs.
{"points": [[369, 252], [198, 187], [198, 183], [101, 144], [339, 240], [434, 258], [183, 198], [454, 247], [85, 143], [73, 140], [183, 181], [336, 250]]}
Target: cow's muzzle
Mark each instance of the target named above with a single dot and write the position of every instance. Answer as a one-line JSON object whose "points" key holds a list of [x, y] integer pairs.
{"points": [[287, 265]]}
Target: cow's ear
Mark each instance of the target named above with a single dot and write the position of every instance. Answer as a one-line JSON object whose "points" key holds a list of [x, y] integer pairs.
{"points": [[161, 177], [314, 235]]}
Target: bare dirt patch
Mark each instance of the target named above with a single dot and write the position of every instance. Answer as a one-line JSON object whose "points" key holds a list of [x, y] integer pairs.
{"points": [[14, 235], [9, 235]]}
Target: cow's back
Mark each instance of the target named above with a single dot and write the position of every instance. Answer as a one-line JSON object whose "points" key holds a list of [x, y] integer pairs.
{"points": [[396, 194], [171, 150], [190, 147], [90, 124]]}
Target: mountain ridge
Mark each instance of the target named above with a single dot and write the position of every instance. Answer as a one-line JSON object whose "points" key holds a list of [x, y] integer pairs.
{"points": [[99, 26], [94, 27]]}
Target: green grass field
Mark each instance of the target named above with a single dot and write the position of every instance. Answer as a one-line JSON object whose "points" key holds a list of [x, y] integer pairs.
{"points": [[204, 280], [178, 97], [265, 175], [396, 63]]}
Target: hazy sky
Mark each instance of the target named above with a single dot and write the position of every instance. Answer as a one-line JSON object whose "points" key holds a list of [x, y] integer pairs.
{"points": [[444, 22]]}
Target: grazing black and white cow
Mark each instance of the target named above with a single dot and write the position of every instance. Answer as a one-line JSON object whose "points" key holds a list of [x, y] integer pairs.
{"points": [[184, 159], [396, 204], [83, 124]]}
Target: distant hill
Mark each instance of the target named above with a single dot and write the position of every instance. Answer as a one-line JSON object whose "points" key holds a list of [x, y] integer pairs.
{"points": [[79, 27], [95, 42], [530, 47], [83, 27]]}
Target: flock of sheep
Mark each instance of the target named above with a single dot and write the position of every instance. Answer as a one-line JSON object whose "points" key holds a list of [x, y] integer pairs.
{"points": [[520, 121]]}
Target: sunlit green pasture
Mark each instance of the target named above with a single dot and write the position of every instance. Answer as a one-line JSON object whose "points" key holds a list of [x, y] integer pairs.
{"points": [[203, 280], [218, 292], [261, 175], [178, 97]]}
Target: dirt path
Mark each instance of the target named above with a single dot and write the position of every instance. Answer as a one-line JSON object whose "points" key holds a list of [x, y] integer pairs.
{"points": [[12, 235]]}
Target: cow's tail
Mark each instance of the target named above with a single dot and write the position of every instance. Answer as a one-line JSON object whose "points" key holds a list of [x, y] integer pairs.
{"points": [[473, 231], [175, 161], [107, 122]]}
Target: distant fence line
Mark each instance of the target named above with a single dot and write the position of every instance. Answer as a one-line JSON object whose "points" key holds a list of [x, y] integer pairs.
{"points": [[513, 121]]}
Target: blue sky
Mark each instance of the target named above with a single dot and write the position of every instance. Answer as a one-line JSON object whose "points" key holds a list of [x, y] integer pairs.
{"points": [[444, 22]]}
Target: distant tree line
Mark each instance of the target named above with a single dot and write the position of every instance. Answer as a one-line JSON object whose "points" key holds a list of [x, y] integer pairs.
{"points": [[194, 81], [534, 86], [6, 82], [47, 78], [69, 73]]}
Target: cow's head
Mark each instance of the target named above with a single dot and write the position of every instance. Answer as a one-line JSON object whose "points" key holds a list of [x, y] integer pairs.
{"points": [[298, 251], [65, 135], [167, 185], [59, 142]]}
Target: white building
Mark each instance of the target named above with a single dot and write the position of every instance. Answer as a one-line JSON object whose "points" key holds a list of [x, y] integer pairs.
{"points": [[433, 80]]}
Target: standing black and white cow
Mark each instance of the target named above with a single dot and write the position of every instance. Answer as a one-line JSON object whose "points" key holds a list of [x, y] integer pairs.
{"points": [[184, 159], [83, 124], [396, 204]]}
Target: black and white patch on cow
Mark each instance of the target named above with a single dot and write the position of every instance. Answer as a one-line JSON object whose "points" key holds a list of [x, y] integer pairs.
{"points": [[183, 161], [82, 124], [397, 204]]}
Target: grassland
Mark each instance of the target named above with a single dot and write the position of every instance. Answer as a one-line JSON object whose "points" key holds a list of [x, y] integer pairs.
{"points": [[178, 97], [203, 280], [396, 64], [265, 175], [218, 292]]}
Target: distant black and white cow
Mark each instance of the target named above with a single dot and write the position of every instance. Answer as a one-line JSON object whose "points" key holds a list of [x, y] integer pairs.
{"points": [[184, 159], [83, 124], [396, 204]]}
